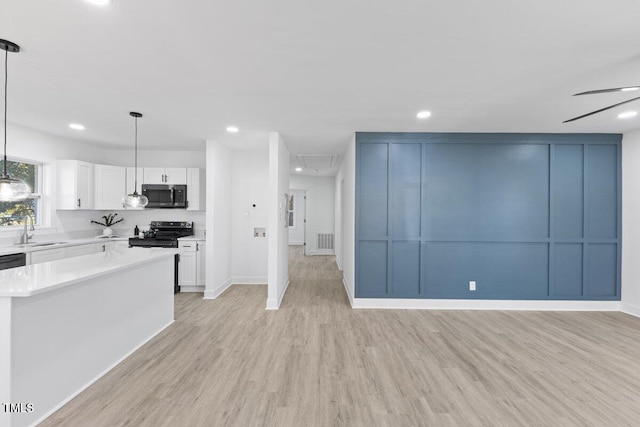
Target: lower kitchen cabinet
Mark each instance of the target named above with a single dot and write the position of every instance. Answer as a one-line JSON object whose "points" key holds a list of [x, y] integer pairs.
{"points": [[55, 254], [191, 269], [47, 255]]}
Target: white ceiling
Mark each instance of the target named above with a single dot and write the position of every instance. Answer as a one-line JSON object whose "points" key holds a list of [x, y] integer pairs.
{"points": [[316, 71]]}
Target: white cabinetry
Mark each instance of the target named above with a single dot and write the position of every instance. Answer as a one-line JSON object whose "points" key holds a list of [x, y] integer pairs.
{"points": [[165, 176], [47, 255], [110, 186], [201, 250], [196, 189], [191, 268], [74, 185]]}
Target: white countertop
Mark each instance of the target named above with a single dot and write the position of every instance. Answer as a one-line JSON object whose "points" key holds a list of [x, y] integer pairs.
{"points": [[17, 249], [44, 277], [187, 238]]}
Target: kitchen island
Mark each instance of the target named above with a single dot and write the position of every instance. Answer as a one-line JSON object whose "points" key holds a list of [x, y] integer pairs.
{"points": [[65, 323]]}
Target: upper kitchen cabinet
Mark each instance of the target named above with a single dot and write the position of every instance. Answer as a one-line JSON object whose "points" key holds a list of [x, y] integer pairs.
{"points": [[74, 185], [165, 176], [196, 189], [110, 186]]}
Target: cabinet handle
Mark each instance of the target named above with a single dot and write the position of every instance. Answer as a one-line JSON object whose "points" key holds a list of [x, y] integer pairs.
{"points": [[79, 203]]}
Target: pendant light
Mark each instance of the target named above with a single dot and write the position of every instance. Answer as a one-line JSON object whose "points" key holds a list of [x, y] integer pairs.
{"points": [[135, 200], [11, 190]]}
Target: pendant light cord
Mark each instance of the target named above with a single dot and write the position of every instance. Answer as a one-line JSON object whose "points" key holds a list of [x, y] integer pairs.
{"points": [[135, 189], [6, 58]]}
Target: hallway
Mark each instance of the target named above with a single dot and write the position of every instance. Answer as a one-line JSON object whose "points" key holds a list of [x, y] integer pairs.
{"points": [[317, 362]]}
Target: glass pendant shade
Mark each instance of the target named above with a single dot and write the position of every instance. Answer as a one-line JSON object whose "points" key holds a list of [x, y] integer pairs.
{"points": [[135, 200], [12, 190]]}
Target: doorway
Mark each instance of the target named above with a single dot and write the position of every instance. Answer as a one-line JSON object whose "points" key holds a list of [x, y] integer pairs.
{"points": [[297, 219]]}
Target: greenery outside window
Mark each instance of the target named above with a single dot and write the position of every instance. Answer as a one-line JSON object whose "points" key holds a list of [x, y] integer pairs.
{"points": [[14, 213]]}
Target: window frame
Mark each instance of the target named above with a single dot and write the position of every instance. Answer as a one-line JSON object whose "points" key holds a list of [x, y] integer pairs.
{"points": [[39, 216]]}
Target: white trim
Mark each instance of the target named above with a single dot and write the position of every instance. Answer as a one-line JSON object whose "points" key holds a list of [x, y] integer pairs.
{"points": [[633, 310], [100, 375], [461, 304], [321, 252], [187, 289], [257, 280], [338, 264], [348, 290], [272, 303], [216, 292]]}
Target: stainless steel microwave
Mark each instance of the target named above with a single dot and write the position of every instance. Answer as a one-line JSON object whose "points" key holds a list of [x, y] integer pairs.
{"points": [[165, 196]]}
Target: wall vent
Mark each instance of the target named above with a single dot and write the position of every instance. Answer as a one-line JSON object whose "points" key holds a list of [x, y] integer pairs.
{"points": [[325, 240]]}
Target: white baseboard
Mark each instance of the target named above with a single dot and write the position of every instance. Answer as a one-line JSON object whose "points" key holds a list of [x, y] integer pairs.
{"points": [[320, 252], [273, 303], [258, 280], [218, 290], [461, 304], [100, 375], [347, 288], [633, 310], [338, 264], [187, 289]]}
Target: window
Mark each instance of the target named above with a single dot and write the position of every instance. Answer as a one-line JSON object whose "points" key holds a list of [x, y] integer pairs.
{"points": [[14, 213]]}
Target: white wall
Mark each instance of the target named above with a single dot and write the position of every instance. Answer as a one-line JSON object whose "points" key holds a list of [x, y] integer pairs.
{"points": [[320, 207], [277, 234], [250, 186], [631, 223], [218, 219], [346, 240]]}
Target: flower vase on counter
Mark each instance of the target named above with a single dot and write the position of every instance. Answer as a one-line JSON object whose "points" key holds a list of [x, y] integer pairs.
{"points": [[107, 231]]}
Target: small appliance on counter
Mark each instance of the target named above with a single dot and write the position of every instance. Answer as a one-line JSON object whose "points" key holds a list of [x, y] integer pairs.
{"points": [[164, 234]]}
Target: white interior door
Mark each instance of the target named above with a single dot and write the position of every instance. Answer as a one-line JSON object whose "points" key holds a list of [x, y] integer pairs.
{"points": [[297, 218]]}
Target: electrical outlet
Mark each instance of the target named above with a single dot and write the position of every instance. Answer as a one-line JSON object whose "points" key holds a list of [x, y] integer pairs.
{"points": [[472, 285]]}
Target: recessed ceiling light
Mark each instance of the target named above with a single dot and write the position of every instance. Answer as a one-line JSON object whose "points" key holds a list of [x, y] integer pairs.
{"points": [[232, 129], [627, 114], [76, 126], [423, 114], [629, 89], [99, 2], [298, 169]]}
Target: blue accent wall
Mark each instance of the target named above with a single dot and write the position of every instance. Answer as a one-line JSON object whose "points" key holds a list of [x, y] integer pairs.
{"points": [[526, 216]]}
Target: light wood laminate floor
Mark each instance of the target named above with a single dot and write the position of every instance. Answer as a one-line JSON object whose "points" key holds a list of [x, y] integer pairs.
{"points": [[317, 362]]}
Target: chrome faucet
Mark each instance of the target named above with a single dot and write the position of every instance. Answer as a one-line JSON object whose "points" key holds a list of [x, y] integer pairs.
{"points": [[24, 238]]}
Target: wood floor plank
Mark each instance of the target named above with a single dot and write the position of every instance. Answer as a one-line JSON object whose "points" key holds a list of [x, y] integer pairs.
{"points": [[317, 362]]}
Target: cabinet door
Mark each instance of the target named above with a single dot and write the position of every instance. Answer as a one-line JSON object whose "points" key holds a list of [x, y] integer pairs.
{"points": [[83, 249], [187, 268], [110, 186], [201, 263], [196, 189], [175, 176], [154, 176], [74, 185], [47, 255], [84, 185]]}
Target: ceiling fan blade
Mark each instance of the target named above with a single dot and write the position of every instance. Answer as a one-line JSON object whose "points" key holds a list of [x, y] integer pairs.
{"points": [[615, 89], [601, 110]]}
